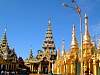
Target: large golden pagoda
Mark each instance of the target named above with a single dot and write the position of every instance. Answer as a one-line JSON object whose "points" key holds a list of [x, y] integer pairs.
{"points": [[70, 62]]}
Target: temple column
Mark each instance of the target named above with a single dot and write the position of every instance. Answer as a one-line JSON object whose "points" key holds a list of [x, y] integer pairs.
{"points": [[40, 67], [11, 66], [89, 67], [57, 68], [60, 68], [32, 67], [0, 66], [38, 70], [66, 71], [64, 68], [94, 68], [49, 69], [72, 68], [8, 66], [52, 66], [85, 67], [14, 67]]}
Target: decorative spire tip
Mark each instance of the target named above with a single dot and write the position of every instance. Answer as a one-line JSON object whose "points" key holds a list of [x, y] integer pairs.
{"points": [[85, 15], [6, 28], [49, 20], [73, 27]]}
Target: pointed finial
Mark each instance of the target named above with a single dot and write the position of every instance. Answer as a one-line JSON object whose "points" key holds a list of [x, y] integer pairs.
{"points": [[49, 20], [6, 28], [86, 19], [49, 24], [5, 31], [73, 32], [31, 54], [63, 44], [74, 43], [58, 54], [63, 47], [85, 15], [86, 38], [4, 43], [4, 34]]}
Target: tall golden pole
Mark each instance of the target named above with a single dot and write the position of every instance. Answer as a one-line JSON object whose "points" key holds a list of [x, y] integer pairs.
{"points": [[78, 11], [81, 45]]}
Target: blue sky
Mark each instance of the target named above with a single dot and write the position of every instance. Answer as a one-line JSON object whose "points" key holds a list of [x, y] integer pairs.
{"points": [[27, 22]]}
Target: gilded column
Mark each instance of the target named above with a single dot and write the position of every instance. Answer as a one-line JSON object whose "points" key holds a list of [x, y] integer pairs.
{"points": [[72, 68], [89, 67], [84, 66], [57, 68], [66, 71], [40, 67], [64, 68], [32, 67], [52, 66], [94, 67]]}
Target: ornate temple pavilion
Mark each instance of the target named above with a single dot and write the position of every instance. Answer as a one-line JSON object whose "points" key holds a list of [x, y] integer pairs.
{"points": [[43, 63], [8, 57]]}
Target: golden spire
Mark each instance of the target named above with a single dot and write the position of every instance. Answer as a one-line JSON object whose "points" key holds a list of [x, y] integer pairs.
{"points": [[58, 54], [49, 24], [86, 38], [31, 54], [74, 43], [63, 47], [4, 42], [49, 41]]}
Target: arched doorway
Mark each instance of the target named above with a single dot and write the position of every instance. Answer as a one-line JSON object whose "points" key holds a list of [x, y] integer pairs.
{"points": [[44, 65]]}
